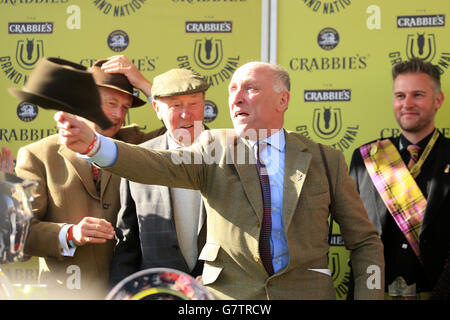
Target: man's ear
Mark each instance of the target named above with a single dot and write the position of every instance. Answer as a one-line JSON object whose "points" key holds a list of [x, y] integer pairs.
{"points": [[439, 100], [155, 105], [285, 96]]}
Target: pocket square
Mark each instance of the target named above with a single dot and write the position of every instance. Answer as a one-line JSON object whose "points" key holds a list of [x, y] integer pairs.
{"points": [[324, 271]]}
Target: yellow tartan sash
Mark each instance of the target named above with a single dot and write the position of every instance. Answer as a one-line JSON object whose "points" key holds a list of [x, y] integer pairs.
{"points": [[397, 188]]}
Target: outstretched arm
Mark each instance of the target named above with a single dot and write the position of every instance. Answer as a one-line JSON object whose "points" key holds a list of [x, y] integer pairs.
{"points": [[74, 132]]}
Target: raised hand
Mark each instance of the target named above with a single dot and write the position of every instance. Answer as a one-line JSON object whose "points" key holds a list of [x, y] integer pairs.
{"points": [[6, 160], [121, 64]]}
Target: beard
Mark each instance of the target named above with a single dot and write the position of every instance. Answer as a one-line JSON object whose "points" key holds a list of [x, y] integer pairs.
{"points": [[416, 126]]}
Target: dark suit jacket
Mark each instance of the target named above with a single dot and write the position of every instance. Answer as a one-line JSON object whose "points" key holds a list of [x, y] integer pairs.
{"points": [[146, 234], [232, 195], [434, 237]]}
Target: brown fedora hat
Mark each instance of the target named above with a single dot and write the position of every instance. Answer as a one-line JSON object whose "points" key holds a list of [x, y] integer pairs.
{"points": [[59, 84], [115, 81]]}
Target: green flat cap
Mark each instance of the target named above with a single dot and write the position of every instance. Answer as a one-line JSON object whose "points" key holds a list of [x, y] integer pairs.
{"points": [[176, 82]]}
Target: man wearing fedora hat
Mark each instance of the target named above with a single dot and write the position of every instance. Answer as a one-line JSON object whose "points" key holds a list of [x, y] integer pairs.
{"points": [[159, 226], [75, 206]]}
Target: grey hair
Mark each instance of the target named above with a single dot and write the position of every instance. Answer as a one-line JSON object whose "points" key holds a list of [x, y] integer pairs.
{"points": [[282, 78]]}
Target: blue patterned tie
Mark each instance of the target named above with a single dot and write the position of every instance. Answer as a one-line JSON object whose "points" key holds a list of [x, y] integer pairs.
{"points": [[264, 238]]}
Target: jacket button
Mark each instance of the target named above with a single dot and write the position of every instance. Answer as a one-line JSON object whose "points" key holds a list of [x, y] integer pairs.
{"points": [[256, 258], [106, 205]]}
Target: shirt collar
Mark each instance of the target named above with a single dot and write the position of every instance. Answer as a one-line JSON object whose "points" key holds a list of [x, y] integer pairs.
{"points": [[404, 143], [172, 143], [276, 140]]}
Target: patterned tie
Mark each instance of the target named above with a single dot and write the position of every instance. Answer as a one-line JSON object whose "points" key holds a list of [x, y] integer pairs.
{"points": [[414, 152], [95, 172], [264, 238]]}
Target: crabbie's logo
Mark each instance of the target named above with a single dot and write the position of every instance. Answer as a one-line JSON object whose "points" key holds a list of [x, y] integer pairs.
{"points": [[118, 40], [310, 64], [27, 111], [209, 60], [435, 20], [422, 45], [142, 63], [28, 51], [209, 27], [25, 134], [328, 120], [208, 53], [328, 38], [118, 8], [211, 111], [328, 125], [30, 27], [328, 95]]}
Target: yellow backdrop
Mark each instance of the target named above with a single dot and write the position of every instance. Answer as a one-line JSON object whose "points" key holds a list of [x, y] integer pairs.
{"points": [[338, 52]]}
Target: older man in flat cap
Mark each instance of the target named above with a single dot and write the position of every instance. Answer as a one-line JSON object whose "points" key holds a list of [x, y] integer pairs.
{"points": [[75, 206], [159, 226]]}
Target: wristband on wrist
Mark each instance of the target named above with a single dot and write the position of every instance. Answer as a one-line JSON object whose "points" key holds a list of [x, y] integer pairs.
{"points": [[70, 238], [93, 147]]}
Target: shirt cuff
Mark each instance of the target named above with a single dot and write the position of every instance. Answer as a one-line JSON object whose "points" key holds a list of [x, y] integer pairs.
{"points": [[64, 247], [106, 154]]}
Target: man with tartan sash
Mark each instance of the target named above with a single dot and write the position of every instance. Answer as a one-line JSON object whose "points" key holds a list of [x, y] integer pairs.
{"points": [[404, 183]]}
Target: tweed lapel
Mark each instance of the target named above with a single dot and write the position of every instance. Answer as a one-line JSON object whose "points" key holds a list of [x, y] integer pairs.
{"points": [[245, 162], [296, 166], [105, 178], [82, 168]]}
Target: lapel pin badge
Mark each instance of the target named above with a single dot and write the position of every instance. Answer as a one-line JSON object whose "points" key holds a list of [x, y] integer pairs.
{"points": [[299, 176], [373, 150], [447, 168]]}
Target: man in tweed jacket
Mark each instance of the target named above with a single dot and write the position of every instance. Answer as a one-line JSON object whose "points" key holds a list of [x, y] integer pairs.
{"points": [[69, 197], [222, 166]]}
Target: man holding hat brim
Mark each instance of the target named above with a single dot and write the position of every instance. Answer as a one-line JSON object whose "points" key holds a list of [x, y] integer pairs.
{"points": [[175, 82], [159, 226], [75, 207]]}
